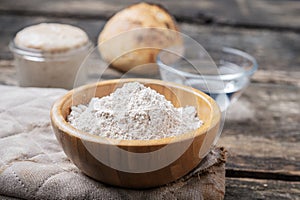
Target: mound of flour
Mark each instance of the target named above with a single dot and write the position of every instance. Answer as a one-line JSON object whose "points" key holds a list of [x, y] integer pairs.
{"points": [[133, 112]]}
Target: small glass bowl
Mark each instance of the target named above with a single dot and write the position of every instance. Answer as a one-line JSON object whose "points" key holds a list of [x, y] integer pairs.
{"points": [[222, 72], [44, 69]]}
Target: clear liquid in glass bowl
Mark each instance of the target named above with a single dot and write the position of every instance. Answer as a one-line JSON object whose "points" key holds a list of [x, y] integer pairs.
{"points": [[224, 80]]}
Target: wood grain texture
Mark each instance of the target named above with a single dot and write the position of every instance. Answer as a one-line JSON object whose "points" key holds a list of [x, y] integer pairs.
{"points": [[256, 13], [249, 189], [7, 73], [277, 77], [262, 132], [97, 156], [272, 50]]}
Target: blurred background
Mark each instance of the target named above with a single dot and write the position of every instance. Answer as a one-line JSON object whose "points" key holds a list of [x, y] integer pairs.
{"points": [[267, 29]]}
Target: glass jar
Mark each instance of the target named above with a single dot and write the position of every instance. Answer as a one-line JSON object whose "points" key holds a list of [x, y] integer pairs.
{"points": [[50, 55], [42, 69]]}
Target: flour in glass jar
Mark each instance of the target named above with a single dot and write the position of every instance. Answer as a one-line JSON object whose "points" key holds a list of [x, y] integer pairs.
{"points": [[134, 112]]}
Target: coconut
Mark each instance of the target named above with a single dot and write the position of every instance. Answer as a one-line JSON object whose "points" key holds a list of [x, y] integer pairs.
{"points": [[132, 38]]}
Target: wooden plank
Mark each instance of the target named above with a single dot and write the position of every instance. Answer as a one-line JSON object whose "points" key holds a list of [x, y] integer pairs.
{"points": [[7, 73], [247, 189], [256, 13], [278, 77], [262, 133], [273, 50]]}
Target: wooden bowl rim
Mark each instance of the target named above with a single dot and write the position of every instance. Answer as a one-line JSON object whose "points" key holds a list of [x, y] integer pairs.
{"points": [[58, 119]]}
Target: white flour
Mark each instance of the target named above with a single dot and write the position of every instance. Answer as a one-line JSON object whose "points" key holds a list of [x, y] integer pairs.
{"points": [[134, 112]]}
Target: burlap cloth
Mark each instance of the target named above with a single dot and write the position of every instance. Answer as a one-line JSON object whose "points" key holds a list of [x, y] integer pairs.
{"points": [[33, 165]]}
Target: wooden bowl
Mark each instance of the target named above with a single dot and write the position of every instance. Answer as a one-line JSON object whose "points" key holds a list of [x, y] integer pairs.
{"points": [[136, 163]]}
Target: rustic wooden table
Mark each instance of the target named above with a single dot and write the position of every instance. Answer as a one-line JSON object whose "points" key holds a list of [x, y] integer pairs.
{"points": [[262, 130]]}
